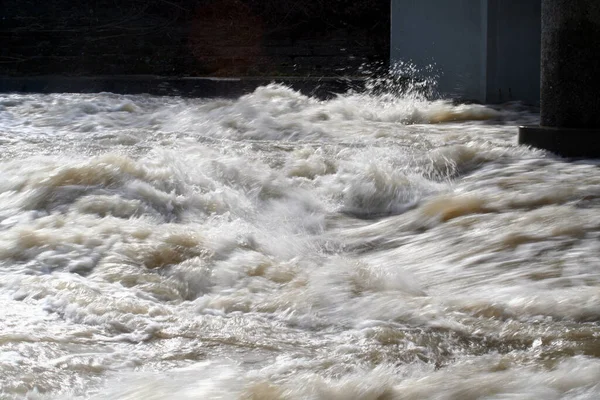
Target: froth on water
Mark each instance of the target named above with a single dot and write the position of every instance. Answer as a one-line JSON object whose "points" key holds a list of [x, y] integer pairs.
{"points": [[277, 246]]}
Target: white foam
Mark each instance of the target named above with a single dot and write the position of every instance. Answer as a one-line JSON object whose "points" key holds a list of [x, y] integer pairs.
{"points": [[369, 246]]}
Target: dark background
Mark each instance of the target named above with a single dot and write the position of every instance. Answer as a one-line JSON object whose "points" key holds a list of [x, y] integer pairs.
{"points": [[192, 37]]}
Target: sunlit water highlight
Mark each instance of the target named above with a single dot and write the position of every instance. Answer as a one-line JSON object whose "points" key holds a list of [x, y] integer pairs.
{"points": [[281, 247]]}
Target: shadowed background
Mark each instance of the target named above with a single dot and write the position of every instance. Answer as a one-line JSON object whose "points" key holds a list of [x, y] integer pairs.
{"points": [[192, 37]]}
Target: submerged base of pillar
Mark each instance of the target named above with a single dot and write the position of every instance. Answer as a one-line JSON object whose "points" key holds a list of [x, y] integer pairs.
{"points": [[579, 143]]}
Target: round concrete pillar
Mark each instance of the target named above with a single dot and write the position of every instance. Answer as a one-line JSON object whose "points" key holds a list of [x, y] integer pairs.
{"points": [[570, 80]]}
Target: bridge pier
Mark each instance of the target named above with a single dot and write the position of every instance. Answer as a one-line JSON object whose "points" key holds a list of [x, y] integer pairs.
{"points": [[570, 80]]}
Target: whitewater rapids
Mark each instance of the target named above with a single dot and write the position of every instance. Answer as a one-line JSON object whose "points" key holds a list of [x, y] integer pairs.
{"points": [[276, 246]]}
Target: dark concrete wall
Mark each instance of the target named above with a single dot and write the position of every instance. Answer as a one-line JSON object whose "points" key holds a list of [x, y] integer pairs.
{"points": [[571, 64], [192, 37], [514, 39], [446, 35], [485, 50]]}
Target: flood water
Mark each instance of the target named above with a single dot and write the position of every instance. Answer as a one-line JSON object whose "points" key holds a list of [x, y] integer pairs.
{"points": [[277, 246]]}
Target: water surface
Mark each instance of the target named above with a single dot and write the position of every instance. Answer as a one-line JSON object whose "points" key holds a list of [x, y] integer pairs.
{"points": [[281, 247]]}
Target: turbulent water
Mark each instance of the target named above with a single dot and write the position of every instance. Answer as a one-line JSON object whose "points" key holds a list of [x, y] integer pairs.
{"points": [[278, 246]]}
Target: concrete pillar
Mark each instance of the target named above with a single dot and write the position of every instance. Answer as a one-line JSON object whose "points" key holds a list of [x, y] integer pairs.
{"points": [[570, 80]]}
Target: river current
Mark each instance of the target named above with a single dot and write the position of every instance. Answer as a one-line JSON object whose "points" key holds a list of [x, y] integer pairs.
{"points": [[278, 246]]}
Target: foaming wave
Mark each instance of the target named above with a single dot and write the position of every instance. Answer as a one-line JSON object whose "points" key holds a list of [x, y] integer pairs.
{"points": [[276, 112], [494, 377], [378, 191], [406, 110], [208, 380], [221, 241], [501, 379]]}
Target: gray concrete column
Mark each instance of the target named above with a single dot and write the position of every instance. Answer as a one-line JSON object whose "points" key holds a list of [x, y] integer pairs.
{"points": [[570, 80]]}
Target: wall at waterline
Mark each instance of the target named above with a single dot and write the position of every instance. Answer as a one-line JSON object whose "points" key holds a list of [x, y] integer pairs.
{"points": [[446, 35], [483, 50], [192, 37]]}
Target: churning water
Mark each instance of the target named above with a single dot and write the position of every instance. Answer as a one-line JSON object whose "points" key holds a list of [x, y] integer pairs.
{"points": [[281, 247]]}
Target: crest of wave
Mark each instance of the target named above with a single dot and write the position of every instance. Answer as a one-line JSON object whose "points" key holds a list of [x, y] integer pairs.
{"points": [[404, 93], [275, 112]]}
